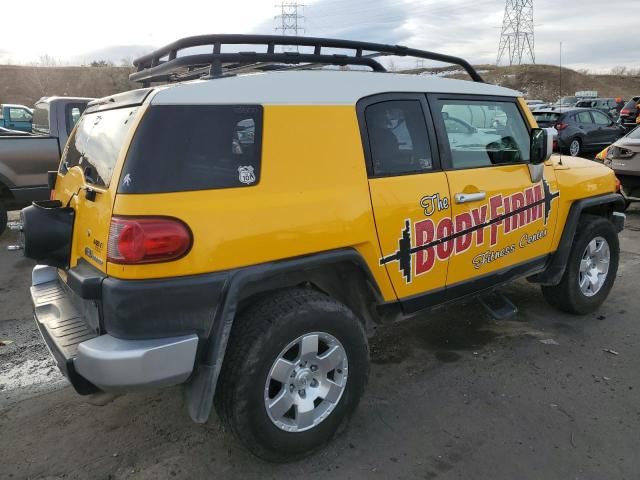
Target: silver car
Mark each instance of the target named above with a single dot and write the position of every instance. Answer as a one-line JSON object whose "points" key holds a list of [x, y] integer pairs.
{"points": [[624, 158]]}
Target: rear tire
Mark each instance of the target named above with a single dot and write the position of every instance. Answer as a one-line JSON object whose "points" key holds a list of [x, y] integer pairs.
{"points": [[583, 289], [260, 351], [3, 218], [575, 147]]}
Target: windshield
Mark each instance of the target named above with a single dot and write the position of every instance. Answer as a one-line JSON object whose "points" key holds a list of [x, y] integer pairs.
{"points": [[634, 134], [567, 100], [95, 145]]}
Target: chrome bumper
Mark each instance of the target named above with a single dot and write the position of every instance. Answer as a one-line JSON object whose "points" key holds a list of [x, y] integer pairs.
{"points": [[106, 362]]}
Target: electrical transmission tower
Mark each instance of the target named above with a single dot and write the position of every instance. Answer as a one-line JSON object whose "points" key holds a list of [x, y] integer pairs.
{"points": [[290, 21], [516, 39]]}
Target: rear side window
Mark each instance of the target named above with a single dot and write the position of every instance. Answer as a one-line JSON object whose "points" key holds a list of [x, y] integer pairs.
{"points": [[95, 145], [546, 117], [584, 118], [194, 147], [398, 137]]}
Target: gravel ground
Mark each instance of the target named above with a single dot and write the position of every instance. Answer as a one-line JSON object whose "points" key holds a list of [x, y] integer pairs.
{"points": [[452, 395]]}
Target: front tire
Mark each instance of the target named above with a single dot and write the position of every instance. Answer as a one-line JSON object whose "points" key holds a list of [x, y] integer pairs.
{"points": [[591, 268], [296, 366]]}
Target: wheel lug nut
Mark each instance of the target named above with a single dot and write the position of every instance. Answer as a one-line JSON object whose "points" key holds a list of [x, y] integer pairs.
{"points": [[291, 387], [302, 393], [314, 368], [314, 383]]}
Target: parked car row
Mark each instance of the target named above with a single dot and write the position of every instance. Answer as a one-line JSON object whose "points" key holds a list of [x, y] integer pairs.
{"points": [[580, 129]]}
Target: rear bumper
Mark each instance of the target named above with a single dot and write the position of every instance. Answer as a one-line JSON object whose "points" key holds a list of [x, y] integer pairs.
{"points": [[103, 362]]}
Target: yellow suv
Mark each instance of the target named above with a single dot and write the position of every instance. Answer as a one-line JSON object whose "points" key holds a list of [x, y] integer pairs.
{"points": [[238, 233]]}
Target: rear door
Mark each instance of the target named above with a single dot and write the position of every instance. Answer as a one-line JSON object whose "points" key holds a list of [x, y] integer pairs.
{"points": [[409, 192], [503, 221], [85, 180], [588, 128]]}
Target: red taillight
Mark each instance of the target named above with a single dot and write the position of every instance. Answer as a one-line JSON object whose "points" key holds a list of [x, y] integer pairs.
{"points": [[560, 126], [625, 111], [555, 145], [135, 240], [618, 184], [52, 195]]}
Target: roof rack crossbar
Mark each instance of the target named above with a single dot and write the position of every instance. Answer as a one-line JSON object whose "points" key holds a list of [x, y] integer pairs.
{"points": [[163, 64]]}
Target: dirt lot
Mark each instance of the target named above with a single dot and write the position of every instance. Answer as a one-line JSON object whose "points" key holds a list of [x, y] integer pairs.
{"points": [[452, 395]]}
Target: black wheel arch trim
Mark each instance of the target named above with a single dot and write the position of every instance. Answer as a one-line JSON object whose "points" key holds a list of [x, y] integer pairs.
{"points": [[242, 284], [557, 265]]}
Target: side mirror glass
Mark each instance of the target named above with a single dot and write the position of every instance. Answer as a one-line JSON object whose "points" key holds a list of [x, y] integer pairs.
{"points": [[541, 146]]}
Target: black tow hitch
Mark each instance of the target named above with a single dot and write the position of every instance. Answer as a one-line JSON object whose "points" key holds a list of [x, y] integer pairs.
{"points": [[46, 229]]}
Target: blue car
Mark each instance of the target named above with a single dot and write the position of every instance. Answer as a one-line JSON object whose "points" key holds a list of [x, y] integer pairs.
{"points": [[16, 117]]}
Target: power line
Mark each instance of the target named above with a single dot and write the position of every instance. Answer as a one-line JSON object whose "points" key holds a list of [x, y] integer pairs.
{"points": [[290, 21], [517, 41]]}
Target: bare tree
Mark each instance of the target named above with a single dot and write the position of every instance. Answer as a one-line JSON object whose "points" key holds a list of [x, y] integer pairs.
{"points": [[619, 70], [47, 60]]}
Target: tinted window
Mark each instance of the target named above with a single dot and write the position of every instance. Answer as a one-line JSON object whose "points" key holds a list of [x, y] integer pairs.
{"points": [[94, 146], [398, 137], [41, 119], [583, 118], [499, 133], [194, 147], [546, 117], [600, 118]]}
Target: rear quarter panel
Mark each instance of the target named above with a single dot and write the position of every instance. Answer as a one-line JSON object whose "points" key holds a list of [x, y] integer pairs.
{"points": [[312, 196]]}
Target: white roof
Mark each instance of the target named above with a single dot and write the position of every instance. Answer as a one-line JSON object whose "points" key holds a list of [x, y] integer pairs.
{"points": [[317, 87]]}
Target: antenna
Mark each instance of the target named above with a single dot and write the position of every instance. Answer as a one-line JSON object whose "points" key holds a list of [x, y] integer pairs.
{"points": [[516, 38], [560, 100], [290, 20]]}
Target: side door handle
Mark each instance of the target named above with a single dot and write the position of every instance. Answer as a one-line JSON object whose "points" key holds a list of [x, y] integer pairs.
{"points": [[470, 197]]}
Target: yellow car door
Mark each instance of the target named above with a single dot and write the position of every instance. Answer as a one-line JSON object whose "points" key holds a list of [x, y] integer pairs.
{"points": [[409, 191], [504, 216]]}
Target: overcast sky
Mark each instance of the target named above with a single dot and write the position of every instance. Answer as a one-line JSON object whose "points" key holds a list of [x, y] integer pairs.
{"points": [[595, 34]]}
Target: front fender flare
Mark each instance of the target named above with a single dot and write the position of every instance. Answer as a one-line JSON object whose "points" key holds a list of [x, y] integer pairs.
{"points": [[558, 263]]}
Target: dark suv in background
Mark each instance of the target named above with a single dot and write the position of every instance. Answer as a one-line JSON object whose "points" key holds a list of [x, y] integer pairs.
{"points": [[580, 129], [606, 105], [629, 113]]}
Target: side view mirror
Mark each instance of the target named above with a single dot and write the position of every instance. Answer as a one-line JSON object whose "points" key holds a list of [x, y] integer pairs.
{"points": [[541, 146]]}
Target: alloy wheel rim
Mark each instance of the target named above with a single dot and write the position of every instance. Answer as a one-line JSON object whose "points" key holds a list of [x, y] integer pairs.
{"points": [[594, 266], [306, 382], [574, 148]]}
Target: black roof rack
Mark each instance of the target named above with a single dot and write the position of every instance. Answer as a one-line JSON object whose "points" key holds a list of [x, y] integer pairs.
{"points": [[166, 65]]}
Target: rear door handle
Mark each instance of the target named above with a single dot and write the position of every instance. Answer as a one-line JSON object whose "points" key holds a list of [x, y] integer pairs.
{"points": [[470, 197]]}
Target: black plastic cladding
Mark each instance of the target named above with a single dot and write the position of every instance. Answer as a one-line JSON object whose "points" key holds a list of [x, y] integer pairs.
{"points": [[164, 64]]}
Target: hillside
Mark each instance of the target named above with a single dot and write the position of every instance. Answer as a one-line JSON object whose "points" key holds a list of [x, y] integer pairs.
{"points": [[25, 85], [543, 81], [20, 84]]}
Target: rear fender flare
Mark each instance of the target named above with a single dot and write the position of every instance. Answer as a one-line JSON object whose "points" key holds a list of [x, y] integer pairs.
{"points": [[244, 284]]}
